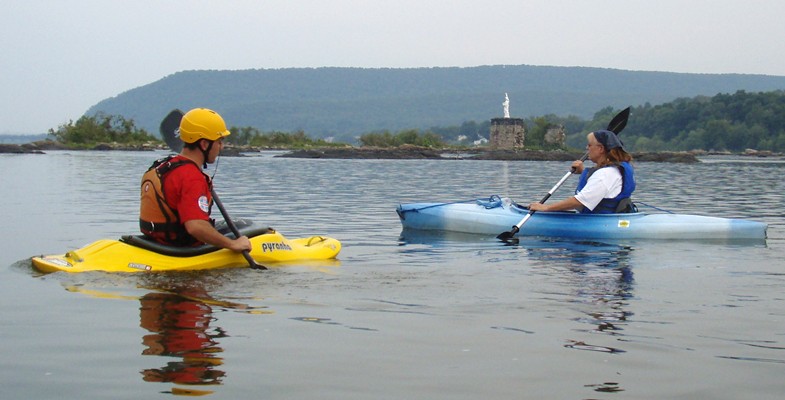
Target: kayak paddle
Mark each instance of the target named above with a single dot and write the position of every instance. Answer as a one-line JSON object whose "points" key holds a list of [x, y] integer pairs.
{"points": [[168, 130], [616, 125]]}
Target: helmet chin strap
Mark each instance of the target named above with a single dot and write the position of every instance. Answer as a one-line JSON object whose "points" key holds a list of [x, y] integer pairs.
{"points": [[215, 167], [206, 153]]}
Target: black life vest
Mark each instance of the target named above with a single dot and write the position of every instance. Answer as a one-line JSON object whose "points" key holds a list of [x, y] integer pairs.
{"points": [[156, 218]]}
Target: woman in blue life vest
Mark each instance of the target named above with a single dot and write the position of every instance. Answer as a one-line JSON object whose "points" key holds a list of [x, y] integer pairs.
{"points": [[605, 188]]}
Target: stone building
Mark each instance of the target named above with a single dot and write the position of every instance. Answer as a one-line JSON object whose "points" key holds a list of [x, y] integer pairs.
{"points": [[555, 136], [507, 134]]}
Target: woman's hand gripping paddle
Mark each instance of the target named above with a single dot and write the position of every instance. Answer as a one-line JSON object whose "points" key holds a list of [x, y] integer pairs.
{"points": [[616, 125], [168, 129]]}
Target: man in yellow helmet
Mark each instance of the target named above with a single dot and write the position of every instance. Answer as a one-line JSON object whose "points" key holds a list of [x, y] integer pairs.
{"points": [[176, 197]]}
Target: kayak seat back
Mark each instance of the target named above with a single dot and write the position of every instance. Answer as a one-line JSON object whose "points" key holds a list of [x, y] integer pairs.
{"points": [[146, 243]]}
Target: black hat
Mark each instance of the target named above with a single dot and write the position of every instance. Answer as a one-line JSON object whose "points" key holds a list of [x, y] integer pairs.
{"points": [[608, 139]]}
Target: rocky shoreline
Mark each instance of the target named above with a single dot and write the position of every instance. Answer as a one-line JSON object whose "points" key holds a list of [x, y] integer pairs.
{"points": [[503, 155], [18, 149], [398, 153], [42, 146], [46, 145]]}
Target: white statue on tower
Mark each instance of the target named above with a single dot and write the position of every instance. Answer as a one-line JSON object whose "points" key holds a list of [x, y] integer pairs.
{"points": [[506, 106]]}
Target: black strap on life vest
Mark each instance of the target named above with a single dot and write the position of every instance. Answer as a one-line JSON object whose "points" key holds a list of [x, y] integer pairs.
{"points": [[174, 229]]}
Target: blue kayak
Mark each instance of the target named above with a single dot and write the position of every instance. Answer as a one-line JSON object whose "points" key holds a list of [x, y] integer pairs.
{"points": [[495, 215]]}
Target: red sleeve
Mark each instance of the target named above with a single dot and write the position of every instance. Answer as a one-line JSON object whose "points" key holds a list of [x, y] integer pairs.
{"points": [[188, 191]]}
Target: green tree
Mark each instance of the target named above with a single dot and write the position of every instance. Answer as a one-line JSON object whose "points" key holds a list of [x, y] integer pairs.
{"points": [[100, 128], [409, 136], [377, 139]]}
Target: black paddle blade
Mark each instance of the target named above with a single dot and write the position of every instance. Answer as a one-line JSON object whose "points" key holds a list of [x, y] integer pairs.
{"points": [[253, 264], [507, 236], [618, 122], [169, 130]]}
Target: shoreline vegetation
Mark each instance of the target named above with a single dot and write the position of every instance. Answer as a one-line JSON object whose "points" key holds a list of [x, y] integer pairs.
{"points": [[103, 132], [403, 152]]}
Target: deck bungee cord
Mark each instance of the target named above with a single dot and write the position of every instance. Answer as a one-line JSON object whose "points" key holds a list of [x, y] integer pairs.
{"points": [[654, 207], [439, 205]]}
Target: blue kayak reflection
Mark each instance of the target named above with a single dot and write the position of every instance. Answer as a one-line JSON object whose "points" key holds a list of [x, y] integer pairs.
{"points": [[594, 279], [600, 273]]}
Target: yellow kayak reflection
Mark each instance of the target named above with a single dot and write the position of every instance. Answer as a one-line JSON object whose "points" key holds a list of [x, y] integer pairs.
{"points": [[181, 327]]}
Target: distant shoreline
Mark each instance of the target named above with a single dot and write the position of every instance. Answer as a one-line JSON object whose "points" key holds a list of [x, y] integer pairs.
{"points": [[399, 153], [499, 155]]}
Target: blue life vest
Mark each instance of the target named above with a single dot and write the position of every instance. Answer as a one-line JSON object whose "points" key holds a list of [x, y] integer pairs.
{"points": [[618, 204]]}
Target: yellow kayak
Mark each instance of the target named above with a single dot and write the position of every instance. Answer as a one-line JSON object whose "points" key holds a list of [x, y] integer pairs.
{"points": [[134, 253]]}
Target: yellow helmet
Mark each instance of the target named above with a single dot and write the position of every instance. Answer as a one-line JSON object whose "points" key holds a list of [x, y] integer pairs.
{"points": [[202, 123]]}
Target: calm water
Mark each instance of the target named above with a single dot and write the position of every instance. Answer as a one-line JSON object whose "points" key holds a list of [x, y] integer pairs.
{"points": [[412, 317]]}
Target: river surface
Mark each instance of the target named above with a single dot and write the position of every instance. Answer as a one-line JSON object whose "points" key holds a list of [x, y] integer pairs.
{"points": [[398, 317]]}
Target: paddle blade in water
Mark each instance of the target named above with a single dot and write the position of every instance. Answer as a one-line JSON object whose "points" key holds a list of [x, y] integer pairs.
{"points": [[504, 236], [507, 236]]}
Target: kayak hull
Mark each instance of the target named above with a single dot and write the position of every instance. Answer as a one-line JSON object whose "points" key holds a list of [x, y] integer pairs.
{"points": [[478, 218], [135, 254]]}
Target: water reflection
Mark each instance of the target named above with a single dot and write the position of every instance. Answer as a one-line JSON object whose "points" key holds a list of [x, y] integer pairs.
{"points": [[594, 278], [597, 275], [179, 326], [598, 278], [179, 317]]}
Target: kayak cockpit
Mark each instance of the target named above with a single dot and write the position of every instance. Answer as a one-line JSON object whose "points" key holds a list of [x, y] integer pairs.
{"points": [[146, 243]]}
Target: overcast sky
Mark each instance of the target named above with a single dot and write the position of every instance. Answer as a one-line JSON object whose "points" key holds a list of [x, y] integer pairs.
{"points": [[59, 57]]}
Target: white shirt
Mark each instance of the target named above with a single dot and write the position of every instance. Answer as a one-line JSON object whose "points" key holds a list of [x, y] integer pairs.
{"points": [[603, 183]]}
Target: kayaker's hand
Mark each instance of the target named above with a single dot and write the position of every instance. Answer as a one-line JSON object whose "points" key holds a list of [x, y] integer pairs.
{"points": [[570, 203], [241, 244], [577, 167]]}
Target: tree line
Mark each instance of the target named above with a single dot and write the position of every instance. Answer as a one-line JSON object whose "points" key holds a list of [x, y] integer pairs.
{"points": [[249, 136], [88, 131], [725, 122]]}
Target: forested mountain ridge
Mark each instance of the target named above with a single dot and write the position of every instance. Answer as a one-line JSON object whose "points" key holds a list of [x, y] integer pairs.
{"points": [[346, 102], [724, 122]]}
